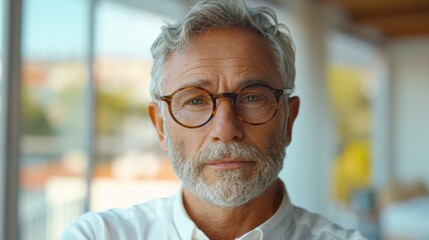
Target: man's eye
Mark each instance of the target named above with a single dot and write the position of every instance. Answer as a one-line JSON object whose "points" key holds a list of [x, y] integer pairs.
{"points": [[253, 98], [194, 101]]}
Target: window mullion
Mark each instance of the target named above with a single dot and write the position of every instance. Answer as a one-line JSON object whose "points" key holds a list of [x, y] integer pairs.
{"points": [[12, 92], [91, 90]]}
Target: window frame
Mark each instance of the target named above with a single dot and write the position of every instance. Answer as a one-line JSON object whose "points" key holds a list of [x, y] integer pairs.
{"points": [[11, 76]]}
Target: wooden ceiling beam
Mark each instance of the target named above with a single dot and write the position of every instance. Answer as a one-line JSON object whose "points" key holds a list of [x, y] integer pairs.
{"points": [[399, 25], [358, 15], [379, 5], [393, 18]]}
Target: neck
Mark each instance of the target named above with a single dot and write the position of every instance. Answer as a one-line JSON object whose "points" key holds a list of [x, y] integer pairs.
{"points": [[229, 223]]}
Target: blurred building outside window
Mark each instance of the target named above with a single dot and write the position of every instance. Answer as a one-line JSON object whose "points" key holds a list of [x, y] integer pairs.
{"points": [[130, 167], [53, 143]]}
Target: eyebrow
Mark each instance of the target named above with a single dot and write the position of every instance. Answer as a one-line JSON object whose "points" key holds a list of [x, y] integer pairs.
{"points": [[248, 82], [203, 83]]}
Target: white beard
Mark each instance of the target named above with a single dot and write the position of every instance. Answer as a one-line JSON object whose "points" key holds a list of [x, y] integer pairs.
{"points": [[232, 188]]}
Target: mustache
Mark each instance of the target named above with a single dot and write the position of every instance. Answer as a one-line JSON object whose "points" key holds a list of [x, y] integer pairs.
{"points": [[228, 150]]}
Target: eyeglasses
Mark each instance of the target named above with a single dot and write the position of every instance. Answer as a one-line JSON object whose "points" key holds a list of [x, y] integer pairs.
{"points": [[193, 107]]}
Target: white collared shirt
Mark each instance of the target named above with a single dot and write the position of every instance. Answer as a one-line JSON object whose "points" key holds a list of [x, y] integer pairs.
{"points": [[166, 218]]}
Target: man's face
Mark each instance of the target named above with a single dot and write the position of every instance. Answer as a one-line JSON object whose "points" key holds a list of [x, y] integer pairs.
{"points": [[226, 162]]}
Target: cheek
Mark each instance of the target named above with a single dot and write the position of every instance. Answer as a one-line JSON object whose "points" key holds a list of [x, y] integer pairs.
{"points": [[190, 140], [259, 136], [281, 122], [269, 133]]}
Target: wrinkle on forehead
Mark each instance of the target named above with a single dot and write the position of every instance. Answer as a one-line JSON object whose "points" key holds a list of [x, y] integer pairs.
{"points": [[223, 56]]}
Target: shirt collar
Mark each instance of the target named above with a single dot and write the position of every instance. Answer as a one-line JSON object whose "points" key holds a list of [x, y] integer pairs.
{"points": [[273, 228], [183, 223], [278, 224]]}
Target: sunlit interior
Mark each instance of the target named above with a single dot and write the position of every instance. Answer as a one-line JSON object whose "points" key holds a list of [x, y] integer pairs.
{"points": [[360, 148]]}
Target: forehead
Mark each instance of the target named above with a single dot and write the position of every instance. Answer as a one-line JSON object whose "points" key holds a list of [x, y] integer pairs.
{"points": [[222, 59]]}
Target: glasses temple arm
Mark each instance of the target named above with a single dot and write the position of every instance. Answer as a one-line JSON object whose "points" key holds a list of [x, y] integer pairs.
{"points": [[288, 91]]}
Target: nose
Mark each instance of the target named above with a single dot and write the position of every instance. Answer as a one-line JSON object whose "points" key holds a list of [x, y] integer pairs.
{"points": [[225, 126]]}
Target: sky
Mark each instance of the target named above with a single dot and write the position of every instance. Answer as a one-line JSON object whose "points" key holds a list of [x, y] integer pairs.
{"points": [[57, 29]]}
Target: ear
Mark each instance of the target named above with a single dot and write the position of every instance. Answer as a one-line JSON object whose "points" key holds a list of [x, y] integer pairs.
{"points": [[293, 103], [156, 118]]}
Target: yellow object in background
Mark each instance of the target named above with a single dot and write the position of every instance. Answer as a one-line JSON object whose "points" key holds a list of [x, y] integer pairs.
{"points": [[352, 169]]}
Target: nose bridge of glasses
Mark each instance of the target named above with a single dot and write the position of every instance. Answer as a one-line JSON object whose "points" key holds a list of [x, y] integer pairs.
{"points": [[232, 96]]}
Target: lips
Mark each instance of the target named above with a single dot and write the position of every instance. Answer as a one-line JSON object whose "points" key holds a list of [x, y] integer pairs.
{"points": [[229, 163]]}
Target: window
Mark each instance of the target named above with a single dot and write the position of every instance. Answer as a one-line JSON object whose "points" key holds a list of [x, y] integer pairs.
{"points": [[130, 167], [57, 139], [54, 96]]}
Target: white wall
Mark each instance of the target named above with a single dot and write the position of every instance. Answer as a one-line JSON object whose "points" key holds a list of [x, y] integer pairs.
{"points": [[308, 159], [410, 108]]}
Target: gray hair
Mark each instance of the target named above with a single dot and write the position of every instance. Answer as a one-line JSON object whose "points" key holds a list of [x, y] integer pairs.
{"points": [[210, 14]]}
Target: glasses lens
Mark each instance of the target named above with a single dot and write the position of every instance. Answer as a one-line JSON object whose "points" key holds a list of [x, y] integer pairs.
{"points": [[192, 107], [256, 104]]}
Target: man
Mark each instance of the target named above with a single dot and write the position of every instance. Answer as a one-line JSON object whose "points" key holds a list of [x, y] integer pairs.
{"points": [[221, 83]]}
